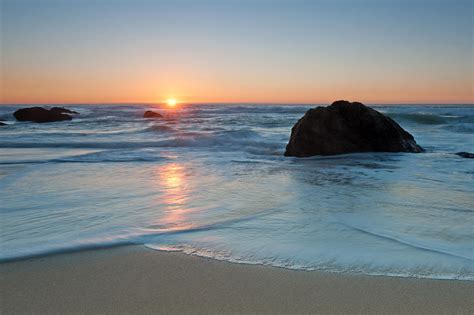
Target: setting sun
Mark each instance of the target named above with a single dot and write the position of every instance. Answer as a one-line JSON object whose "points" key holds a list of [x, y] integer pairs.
{"points": [[171, 102]]}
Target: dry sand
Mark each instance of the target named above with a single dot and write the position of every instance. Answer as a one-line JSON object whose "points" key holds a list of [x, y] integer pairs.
{"points": [[134, 279]]}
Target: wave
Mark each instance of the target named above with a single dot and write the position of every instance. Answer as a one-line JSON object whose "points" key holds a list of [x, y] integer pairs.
{"points": [[183, 139], [140, 236], [432, 118], [461, 127], [149, 151], [420, 118], [253, 109], [113, 156], [160, 128], [413, 244], [222, 255]]}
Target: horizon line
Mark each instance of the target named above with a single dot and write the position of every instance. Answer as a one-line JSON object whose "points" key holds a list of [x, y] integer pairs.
{"points": [[232, 103]]}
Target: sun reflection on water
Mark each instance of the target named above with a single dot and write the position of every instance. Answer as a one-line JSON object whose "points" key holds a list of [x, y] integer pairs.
{"points": [[172, 179]]}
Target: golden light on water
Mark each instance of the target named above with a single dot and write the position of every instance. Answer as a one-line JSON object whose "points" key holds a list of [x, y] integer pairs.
{"points": [[171, 178]]}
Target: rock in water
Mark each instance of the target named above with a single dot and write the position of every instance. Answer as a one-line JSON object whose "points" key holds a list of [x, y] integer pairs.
{"points": [[466, 155], [39, 115], [63, 110], [345, 127], [152, 114]]}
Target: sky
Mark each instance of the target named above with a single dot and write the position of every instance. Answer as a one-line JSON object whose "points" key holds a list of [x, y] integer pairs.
{"points": [[261, 51]]}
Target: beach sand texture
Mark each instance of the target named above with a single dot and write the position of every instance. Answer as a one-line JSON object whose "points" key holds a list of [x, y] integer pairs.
{"points": [[134, 279]]}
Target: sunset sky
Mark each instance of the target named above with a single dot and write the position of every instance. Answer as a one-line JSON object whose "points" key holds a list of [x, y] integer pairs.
{"points": [[117, 51]]}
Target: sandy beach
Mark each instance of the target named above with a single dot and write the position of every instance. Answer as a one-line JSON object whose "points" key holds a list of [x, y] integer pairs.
{"points": [[134, 279]]}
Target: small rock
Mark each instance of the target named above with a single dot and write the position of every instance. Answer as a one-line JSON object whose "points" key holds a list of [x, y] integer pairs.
{"points": [[466, 155], [152, 114]]}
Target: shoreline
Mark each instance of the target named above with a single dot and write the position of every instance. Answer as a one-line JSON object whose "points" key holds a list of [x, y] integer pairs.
{"points": [[106, 247], [136, 279]]}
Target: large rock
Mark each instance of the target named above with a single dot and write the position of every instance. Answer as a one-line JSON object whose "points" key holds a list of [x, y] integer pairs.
{"points": [[40, 115], [345, 127], [152, 114]]}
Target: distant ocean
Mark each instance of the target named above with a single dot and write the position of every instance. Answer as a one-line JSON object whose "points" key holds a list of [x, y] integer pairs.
{"points": [[211, 180]]}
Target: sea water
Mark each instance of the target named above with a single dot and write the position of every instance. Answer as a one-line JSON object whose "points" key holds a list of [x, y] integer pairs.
{"points": [[211, 180]]}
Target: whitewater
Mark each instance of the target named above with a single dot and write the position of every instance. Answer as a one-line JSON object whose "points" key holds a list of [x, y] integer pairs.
{"points": [[211, 180]]}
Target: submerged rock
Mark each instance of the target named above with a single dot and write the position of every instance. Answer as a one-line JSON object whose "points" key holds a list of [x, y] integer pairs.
{"points": [[152, 114], [345, 127], [466, 155], [63, 110], [39, 115]]}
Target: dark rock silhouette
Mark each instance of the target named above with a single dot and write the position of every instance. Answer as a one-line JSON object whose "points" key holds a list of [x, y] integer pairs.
{"points": [[152, 114], [39, 115], [345, 127], [466, 155], [2, 124], [62, 110]]}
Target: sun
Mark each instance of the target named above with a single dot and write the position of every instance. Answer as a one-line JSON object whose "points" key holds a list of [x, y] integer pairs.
{"points": [[171, 102]]}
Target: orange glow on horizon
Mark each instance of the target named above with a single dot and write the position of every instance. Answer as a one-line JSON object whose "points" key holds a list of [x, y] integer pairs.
{"points": [[29, 92], [63, 90]]}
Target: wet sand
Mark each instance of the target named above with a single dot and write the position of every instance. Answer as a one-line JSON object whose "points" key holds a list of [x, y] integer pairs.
{"points": [[134, 279]]}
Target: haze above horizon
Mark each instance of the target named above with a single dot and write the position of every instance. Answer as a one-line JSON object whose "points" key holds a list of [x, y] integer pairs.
{"points": [[92, 51]]}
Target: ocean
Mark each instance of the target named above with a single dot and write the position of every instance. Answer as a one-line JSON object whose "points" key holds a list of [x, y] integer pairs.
{"points": [[212, 181]]}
